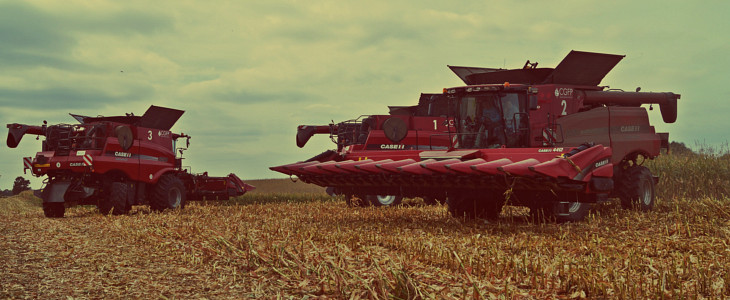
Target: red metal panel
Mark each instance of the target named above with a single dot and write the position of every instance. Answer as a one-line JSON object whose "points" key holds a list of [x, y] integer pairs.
{"points": [[349, 165], [491, 167], [519, 168], [317, 168], [393, 166], [417, 168], [293, 169], [465, 167], [370, 166], [440, 166]]}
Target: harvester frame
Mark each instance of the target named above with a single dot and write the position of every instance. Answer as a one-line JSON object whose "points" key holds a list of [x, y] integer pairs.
{"points": [[551, 139], [117, 162]]}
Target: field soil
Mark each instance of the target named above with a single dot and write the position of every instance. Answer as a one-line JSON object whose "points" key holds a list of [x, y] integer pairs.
{"points": [[306, 244]]}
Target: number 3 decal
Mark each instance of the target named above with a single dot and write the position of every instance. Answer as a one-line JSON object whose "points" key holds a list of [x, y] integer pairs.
{"points": [[149, 132], [564, 104]]}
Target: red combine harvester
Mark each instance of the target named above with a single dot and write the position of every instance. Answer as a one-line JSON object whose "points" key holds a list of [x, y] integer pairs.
{"points": [[117, 162], [550, 139]]}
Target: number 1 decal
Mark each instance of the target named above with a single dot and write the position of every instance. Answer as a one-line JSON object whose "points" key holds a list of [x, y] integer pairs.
{"points": [[435, 125]]}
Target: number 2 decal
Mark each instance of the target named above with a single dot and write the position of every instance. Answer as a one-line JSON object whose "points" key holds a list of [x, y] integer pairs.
{"points": [[564, 104]]}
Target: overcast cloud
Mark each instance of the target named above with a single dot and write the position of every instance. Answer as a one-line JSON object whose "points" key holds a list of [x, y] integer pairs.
{"points": [[248, 72]]}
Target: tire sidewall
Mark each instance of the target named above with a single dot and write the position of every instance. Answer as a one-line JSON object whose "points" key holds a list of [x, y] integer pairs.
{"points": [[384, 200], [168, 193], [637, 189], [646, 191], [570, 211]]}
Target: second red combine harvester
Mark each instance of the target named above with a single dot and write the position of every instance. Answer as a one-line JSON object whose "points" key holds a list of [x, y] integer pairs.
{"points": [[550, 139], [116, 162]]}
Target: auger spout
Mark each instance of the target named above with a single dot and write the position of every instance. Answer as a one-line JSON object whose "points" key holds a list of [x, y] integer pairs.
{"points": [[17, 131], [305, 132], [667, 101]]}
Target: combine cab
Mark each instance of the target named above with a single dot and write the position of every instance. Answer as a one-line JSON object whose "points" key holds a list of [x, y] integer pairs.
{"points": [[550, 139], [117, 162]]}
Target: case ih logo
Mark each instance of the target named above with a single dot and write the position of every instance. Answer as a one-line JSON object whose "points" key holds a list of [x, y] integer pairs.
{"points": [[123, 154], [392, 147], [548, 150], [601, 163]]}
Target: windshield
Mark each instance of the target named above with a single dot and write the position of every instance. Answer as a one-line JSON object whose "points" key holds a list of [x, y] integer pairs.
{"points": [[493, 120]]}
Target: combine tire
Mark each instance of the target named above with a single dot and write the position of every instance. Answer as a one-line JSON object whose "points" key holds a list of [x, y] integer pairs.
{"points": [[636, 188], [116, 202], [570, 211], [384, 200], [476, 207], [357, 201], [428, 200], [169, 193], [54, 209], [551, 208]]}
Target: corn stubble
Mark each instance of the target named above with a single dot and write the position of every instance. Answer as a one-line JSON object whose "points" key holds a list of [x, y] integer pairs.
{"points": [[307, 245]]}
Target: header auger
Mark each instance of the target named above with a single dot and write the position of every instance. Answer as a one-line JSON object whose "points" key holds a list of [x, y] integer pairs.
{"points": [[551, 139], [117, 162]]}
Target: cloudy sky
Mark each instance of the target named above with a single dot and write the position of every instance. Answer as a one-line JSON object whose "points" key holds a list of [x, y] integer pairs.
{"points": [[248, 72]]}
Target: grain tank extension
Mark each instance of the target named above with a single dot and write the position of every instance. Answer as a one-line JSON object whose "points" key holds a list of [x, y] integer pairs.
{"points": [[551, 139]]}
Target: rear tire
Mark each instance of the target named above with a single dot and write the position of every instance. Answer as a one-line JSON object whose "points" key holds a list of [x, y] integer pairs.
{"points": [[54, 209], [384, 200], [357, 200], [429, 200], [116, 202], [472, 207], [169, 193], [570, 211], [548, 207], [636, 188]]}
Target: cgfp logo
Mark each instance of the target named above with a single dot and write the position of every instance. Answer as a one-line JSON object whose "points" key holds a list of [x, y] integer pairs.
{"points": [[563, 92]]}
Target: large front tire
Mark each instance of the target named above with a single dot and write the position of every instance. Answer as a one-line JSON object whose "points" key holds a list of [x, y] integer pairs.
{"points": [[116, 202], [169, 193], [636, 188], [472, 207], [572, 211], [550, 207], [384, 200], [54, 209], [430, 200]]}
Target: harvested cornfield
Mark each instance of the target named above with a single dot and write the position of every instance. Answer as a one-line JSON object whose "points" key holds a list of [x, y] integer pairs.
{"points": [[303, 245]]}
